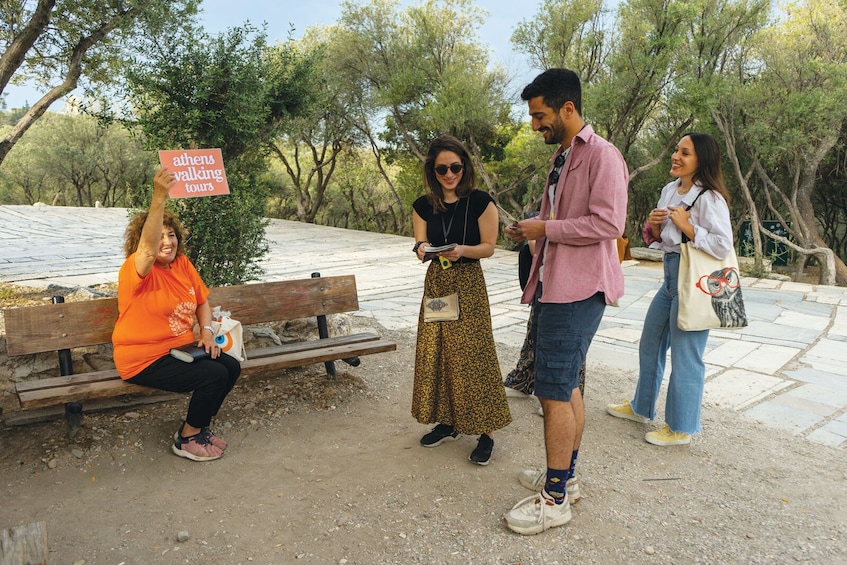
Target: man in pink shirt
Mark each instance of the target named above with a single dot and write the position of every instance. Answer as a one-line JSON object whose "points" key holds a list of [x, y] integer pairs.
{"points": [[575, 274]]}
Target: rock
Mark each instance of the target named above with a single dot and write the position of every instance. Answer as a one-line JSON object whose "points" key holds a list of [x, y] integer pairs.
{"points": [[649, 550], [647, 254], [78, 453], [183, 536], [52, 464]]}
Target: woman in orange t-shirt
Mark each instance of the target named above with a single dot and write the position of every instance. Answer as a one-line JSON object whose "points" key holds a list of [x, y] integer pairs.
{"points": [[160, 294]]}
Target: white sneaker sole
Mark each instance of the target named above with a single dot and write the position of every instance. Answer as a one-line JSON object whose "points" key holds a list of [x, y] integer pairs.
{"points": [[442, 440]]}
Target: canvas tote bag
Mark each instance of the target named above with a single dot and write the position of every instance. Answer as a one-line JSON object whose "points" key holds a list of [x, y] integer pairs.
{"points": [[709, 289], [229, 336]]}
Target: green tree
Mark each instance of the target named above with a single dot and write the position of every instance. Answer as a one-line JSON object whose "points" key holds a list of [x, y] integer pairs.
{"points": [[425, 71], [309, 145], [787, 117], [199, 91], [62, 45], [648, 75], [74, 160]]}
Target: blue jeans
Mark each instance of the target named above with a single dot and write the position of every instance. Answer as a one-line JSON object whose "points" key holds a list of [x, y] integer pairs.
{"points": [[688, 371]]}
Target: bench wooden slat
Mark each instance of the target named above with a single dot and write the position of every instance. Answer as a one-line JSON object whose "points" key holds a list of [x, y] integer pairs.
{"points": [[298, 346], [59, 382], [110, 374], [287, 300], [76, 391], [302, 358], [52, 327]]}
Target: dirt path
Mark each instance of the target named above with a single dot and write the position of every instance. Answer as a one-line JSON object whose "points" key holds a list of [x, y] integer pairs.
{"points": [[321, 473]]}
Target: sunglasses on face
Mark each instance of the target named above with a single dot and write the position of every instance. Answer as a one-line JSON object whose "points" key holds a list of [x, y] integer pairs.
{"points": [[455, 168]]}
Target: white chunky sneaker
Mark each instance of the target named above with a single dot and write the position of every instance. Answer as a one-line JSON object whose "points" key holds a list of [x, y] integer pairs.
{"points": [[537, 513]]}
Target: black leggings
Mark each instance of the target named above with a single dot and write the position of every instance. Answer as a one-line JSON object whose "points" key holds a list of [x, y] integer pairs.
{"points": [[210, 379]]}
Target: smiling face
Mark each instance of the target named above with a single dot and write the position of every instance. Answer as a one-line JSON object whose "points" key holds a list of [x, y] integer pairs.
{"points": [[684, 162], [168, 246], [546, 121], [449, 180]]}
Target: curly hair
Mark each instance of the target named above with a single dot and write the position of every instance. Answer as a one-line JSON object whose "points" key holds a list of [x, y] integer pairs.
{"points": [[435, 194], [136, 225]]}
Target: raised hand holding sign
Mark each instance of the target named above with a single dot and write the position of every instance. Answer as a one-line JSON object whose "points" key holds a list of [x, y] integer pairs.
{"points": [[198, 172]]}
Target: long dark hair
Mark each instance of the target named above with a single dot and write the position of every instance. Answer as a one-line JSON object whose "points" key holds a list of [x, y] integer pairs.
{"points": [[434, 192], [709, 174]]}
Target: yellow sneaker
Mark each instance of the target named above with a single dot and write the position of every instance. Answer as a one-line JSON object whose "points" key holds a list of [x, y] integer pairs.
{"points": [[624, 410], [664, 436]]}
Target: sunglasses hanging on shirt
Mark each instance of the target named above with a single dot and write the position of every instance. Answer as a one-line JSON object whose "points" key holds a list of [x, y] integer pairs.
{"points": [[557, 166], [455, 168]]}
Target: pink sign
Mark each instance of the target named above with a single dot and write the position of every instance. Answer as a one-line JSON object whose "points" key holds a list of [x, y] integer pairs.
{"points": [[199, 172]]}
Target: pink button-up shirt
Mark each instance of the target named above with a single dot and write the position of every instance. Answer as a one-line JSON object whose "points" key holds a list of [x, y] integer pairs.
{"points": [[579, 250]]}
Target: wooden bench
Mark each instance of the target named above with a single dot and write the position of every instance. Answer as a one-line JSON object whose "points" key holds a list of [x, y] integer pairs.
{"points": [[63, 326]]}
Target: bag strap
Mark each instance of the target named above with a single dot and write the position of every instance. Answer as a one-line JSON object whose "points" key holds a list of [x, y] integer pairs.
{"points": [[467, 207], [687, 209], [699, 194]]}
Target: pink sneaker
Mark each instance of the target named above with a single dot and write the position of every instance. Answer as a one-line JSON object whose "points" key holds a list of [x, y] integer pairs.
{"points": [[197, 448], [217, 441]]}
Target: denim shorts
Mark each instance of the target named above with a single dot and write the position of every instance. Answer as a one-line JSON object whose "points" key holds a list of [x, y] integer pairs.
{"points": [[562, 334]]}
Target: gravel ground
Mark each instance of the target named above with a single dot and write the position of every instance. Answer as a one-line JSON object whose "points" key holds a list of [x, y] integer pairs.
{"points": [[332, 472]]}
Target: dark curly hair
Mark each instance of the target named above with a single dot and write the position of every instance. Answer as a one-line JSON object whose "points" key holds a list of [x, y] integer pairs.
{"points": [[434, 192], [136, 224]]}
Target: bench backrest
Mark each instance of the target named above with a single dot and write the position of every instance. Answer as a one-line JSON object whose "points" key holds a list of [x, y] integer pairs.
{"points": [[52, 327]]}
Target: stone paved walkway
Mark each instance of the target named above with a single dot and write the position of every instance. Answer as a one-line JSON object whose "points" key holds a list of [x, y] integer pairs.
{"points": [[787, 369]]}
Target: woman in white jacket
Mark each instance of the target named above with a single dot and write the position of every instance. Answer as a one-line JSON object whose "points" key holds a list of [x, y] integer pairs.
{"points": [[699, 185]]}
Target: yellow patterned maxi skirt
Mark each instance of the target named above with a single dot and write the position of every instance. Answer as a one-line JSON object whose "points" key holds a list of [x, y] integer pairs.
{"points": [[457, 375]]}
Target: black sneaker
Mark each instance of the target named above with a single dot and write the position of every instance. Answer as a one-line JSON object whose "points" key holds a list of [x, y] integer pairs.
{"points": [[439, 435], [482, 454]]}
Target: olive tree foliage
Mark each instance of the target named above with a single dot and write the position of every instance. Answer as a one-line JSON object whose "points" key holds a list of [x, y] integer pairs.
{"points": [[74, 160], [194, 90], [648, 73], [786, 121], [63, 45], [418, 73], [309, 145], [357, 199]]}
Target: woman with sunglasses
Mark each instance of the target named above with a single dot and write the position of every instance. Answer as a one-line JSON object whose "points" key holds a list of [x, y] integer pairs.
{"points": [[699, 185], [457, 384]]}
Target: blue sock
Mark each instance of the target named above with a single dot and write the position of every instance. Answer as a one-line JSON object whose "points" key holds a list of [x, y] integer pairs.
{"points": [[555, 485], [571, 471]]}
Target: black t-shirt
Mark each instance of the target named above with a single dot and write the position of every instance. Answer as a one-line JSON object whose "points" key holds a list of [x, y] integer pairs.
{"points": [[452, 221]]}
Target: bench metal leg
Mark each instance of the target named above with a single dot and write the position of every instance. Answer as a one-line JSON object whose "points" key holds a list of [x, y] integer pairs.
{"points": [[352, 361], [323, 333], [73, 415]]}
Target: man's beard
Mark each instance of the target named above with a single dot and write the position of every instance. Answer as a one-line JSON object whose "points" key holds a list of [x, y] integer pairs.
{"points": [[557, 133]]}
